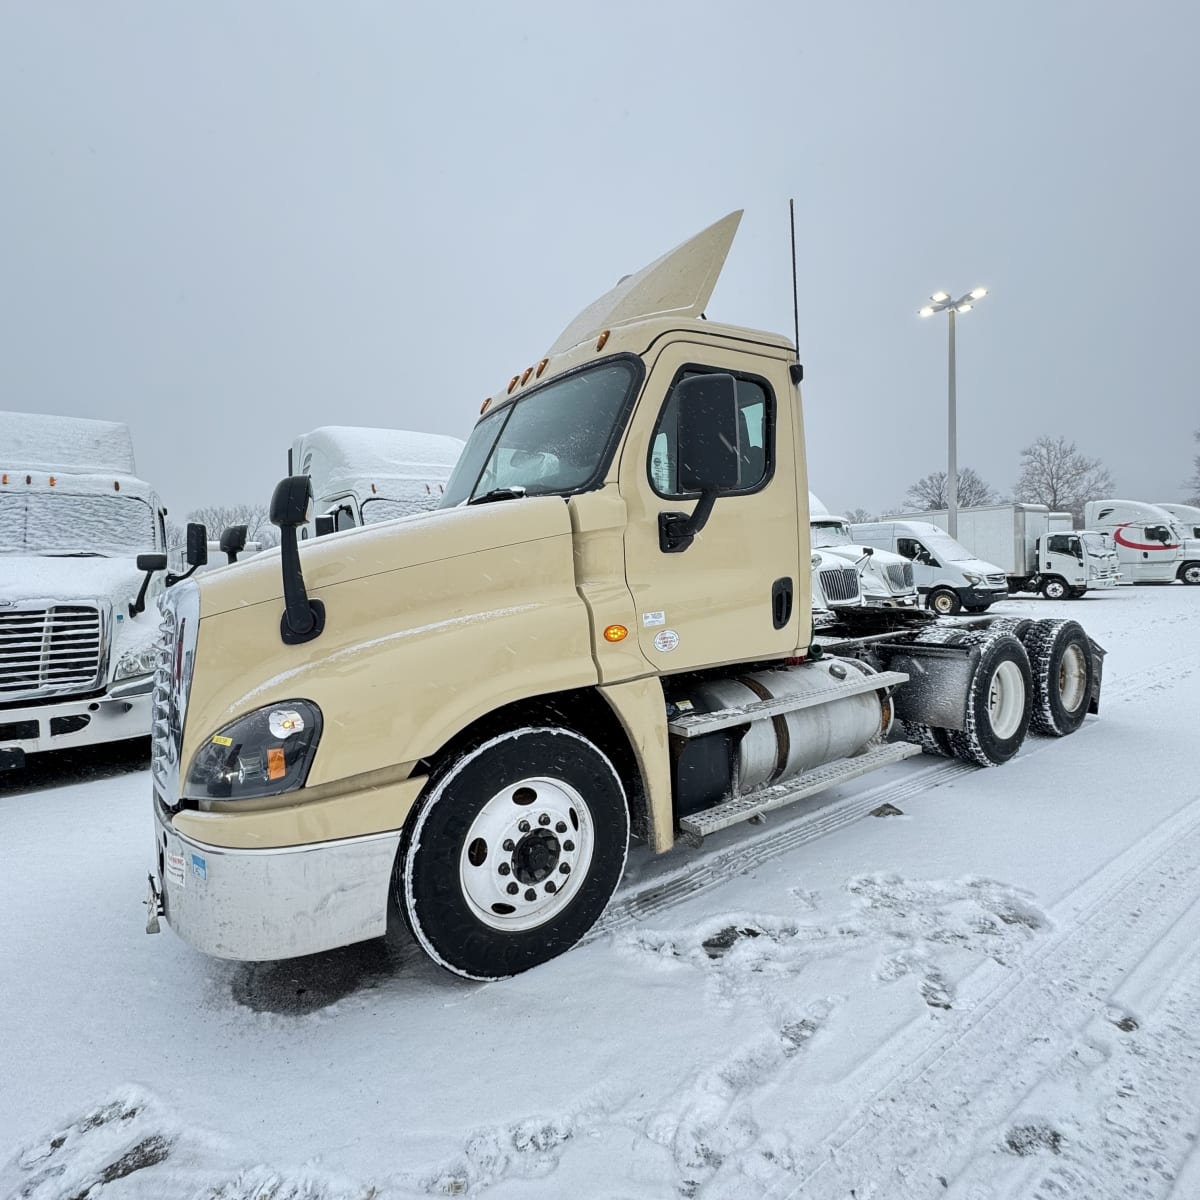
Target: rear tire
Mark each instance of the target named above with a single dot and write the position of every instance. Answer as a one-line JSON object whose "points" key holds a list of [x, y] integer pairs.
{"points": [[513, 852], [999, 703], [943, 601], [1060, 658], [1190, 572]]}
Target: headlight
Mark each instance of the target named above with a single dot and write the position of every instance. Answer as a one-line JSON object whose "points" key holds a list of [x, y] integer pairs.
{"points": [[973, 580], [137, 662], [262, 753]]}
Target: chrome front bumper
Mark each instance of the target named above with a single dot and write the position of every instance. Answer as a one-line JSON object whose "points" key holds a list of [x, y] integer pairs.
{"points": [[64, 724], [259, 905]]}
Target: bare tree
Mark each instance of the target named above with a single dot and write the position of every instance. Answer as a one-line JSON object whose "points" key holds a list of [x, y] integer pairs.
{"points": [[1055, 473], [859, 516], [1193, 484], [218, 518], [930, 494]]}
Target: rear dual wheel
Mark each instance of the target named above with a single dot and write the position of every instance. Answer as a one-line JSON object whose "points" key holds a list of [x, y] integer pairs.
{"points": [[1060, 657], [513, 853]]}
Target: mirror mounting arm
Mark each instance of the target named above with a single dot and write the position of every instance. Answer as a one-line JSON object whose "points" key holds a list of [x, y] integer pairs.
{"points": [[677, 531]]}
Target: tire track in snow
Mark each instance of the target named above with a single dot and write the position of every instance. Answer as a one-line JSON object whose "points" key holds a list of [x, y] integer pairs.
{"points": [[1007, 1038]]}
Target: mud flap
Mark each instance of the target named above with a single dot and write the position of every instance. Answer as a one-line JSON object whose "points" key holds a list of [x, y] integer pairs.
{"points": [[1098, 653]]}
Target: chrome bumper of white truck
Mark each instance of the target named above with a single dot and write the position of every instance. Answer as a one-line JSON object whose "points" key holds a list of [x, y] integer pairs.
{"points": [[259, 905]]}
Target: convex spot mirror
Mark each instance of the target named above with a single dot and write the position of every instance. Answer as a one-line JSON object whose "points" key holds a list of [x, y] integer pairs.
{"points": [[709, 448], [196, 554], [233, 539], [151, 562]]}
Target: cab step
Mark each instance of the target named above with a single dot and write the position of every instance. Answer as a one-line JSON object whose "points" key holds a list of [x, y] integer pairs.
{"points": [[691, 725], [698, 826]]}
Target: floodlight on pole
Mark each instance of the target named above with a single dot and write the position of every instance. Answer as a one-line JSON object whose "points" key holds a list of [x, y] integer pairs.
{"points": [[943, 303]]}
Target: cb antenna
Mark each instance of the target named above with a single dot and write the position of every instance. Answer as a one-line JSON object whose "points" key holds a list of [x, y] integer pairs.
{"points": [[795, 300]]}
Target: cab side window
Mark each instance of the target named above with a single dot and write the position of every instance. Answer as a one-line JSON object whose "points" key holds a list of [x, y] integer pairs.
{"points": [[913, 549], [1059, 543], [756, 434]]}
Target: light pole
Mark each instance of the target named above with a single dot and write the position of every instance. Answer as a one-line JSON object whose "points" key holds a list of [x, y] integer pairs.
{"points": [[943, 303]]}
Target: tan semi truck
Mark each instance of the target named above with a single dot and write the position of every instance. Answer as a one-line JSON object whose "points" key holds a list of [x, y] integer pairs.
{"points": [[605, 630]]}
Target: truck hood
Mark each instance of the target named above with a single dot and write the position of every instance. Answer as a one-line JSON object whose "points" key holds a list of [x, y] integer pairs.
{"points": [[374, 550], [61, 578], [976, 566]]}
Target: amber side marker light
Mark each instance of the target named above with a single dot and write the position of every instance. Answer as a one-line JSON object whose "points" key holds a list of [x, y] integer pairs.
{"points": [[484, 406], [616, 633], [602, 340], [512, 383], [542, 366], [526, 375]]}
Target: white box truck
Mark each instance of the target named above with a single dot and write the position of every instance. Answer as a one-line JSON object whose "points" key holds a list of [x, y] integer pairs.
{"points": [[1152, 546], [77, 616], [949, 576], [1030, 545], [362, 476]]}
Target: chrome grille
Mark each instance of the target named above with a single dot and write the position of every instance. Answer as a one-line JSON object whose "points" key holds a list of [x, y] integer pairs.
{"points": [[172, 681], [839, 584], [900, 576], [51, 651], [162, 745]]}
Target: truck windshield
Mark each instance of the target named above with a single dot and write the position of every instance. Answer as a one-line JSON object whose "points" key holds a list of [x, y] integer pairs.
{"points": [[63, 523], [829, 533], [945, 547], [1094, 544], [554, 441]]}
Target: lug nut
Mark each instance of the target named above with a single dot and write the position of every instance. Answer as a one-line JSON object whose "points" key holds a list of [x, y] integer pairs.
{"points": [[504, 868], [509, 845], [568, 846], [564, 869], [531, 894], [561, 827], [551, 887], [523, 827], [544, 819], [513, 889]]}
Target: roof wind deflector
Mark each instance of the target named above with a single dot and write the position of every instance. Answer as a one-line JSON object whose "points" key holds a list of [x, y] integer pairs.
{"points": [[680, 284]]}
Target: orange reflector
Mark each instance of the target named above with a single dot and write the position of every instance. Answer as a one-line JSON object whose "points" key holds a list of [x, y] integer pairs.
{"points": [[4, 480], [542, 366], [276, 767], [484, 406], [512, 383], [526, 375], [601, 340], [52, 481], [616, 633]]}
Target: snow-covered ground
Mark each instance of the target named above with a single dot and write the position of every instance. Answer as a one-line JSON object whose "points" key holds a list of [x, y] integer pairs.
{"points": [[993, 995]]}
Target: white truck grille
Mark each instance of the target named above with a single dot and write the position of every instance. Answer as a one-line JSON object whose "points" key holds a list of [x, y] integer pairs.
{"points": [[900, 576], [51, 651], [839, 584]]}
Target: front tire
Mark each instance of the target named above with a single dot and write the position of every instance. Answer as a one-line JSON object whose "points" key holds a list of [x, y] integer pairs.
{"points": [[1054, 588], [944, 602], [513, 852]]}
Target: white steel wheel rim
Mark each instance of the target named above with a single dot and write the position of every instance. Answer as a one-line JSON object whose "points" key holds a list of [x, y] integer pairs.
{"points": [[1006, 700], [1055, 590], [1072, 678], [537, 834], [1192, 574], [942, 603]]}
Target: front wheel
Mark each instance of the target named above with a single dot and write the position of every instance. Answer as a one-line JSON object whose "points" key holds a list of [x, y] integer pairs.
{"points": [[943, 601], [1054, 588], [513, 852], [1190, 572]]}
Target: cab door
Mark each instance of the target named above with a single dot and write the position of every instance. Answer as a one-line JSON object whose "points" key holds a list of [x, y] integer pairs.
{"points": [[734, 594]]}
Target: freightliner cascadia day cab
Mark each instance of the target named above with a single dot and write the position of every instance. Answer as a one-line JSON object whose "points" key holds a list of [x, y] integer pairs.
{"points": [[77, 626], [1019, 539], [1153, 546], [363, 476], [606, 629], [886, 578], [949, 575]]}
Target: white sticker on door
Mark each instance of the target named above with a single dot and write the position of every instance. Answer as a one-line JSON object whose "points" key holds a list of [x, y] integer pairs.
{"points": [[649, 620], [666, 641]]}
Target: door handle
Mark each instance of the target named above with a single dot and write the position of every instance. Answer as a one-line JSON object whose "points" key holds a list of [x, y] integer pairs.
{"points": [[781, 602]]}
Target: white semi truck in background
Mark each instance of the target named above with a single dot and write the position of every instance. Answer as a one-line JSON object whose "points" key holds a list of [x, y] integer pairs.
{"points": [[1029, 544], [886, 578], [1186, 515], [361, 476], [78, 617], [1153, 546], [606, 628]]}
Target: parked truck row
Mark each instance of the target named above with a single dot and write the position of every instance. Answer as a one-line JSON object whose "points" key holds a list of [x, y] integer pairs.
{"points": [[604, 630]]}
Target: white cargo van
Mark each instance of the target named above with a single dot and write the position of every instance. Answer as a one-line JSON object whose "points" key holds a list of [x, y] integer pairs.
{"points": [[1152, 546], [363, 476], [78, 618], [946, 573]]}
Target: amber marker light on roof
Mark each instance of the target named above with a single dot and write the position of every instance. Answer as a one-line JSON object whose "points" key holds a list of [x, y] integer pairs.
{"points": [[484, 406], [512, 383], [602, 340], [615, 633], [542, 366], [526, 375]]}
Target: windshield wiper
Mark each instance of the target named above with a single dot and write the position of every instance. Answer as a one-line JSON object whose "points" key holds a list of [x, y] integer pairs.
{"points": [[505, 493]]}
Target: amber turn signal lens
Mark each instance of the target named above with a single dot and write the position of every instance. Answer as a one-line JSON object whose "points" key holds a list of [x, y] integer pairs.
{"points": [[616, 633]]}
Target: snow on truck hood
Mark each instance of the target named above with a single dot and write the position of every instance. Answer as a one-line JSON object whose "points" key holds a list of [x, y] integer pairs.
{"points": [[55, 577]]}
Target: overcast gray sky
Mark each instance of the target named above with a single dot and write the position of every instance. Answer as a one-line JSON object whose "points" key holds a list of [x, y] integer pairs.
{"points": [[229, 223]]}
